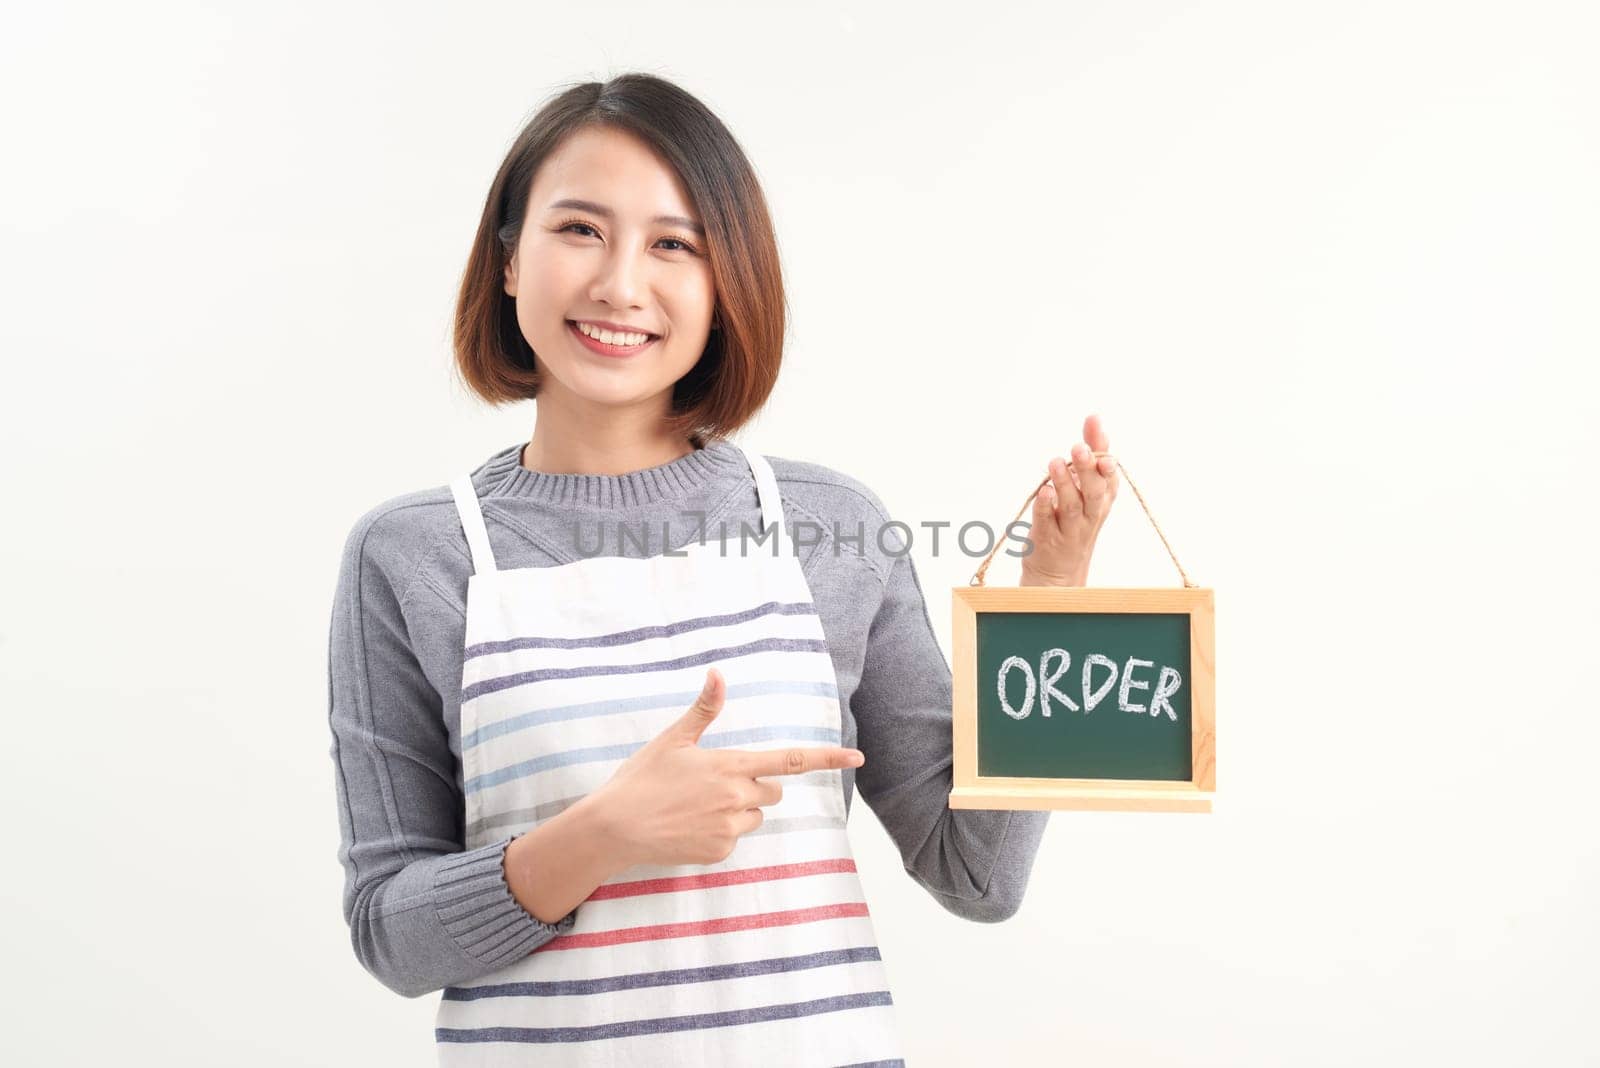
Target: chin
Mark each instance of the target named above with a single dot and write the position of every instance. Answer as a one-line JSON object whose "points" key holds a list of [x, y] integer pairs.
{"points": [[612, 389]]}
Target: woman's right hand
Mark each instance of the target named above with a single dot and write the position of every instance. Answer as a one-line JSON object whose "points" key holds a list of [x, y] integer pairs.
{"points": [[672, 802]]}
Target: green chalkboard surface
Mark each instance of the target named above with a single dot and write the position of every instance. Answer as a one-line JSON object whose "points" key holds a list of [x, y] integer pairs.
{"points": [[1088, 695]]}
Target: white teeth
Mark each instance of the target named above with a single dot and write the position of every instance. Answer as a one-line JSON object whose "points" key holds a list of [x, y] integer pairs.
{"points": [[612, 338]]}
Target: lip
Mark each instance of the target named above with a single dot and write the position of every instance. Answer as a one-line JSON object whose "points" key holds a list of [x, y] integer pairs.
{"points": [[596, 345]]}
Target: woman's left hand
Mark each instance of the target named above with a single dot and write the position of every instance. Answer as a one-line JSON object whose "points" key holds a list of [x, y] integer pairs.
{"points": [[1069, 512]]}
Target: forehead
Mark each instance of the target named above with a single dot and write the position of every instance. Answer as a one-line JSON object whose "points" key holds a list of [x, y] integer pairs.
{"points": [[614, 168]]}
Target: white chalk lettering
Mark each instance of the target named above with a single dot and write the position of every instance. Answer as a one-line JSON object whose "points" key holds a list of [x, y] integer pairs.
{"points": [[1027, 674], [1094, 697], [1128, 683], [1055, 663], [1047, 682], [1166, 686]]}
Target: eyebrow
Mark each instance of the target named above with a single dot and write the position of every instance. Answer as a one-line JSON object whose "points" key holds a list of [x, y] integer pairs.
{"points": [[602, 210]]}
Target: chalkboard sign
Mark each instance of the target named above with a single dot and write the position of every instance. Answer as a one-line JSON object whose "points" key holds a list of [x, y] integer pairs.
{"points": [[1083, 698]]}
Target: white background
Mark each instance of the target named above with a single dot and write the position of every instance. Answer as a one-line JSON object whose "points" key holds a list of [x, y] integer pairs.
{"points": [[1327, 271]]}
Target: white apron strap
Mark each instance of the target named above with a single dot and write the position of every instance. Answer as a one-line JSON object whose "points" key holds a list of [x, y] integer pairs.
{"points": [[472, 522], [767, 491]]}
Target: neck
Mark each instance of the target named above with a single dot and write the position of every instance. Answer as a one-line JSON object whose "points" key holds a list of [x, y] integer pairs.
{"points": [[603, 442]]}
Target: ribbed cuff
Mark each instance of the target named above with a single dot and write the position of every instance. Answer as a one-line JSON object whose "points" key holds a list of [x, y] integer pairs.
{"points": [[480, 912]]}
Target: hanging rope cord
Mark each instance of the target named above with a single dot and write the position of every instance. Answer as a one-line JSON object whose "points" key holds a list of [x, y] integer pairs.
{"points": [[977, 578]]}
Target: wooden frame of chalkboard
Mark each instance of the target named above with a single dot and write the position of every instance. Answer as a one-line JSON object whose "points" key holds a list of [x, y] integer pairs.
{"points": [[1181, 778]]}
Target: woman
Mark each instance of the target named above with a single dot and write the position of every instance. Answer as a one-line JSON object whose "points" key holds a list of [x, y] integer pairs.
{"points": [[594, 791]]}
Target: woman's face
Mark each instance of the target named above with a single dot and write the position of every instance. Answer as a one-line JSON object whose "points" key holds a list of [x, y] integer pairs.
{"points": [[611, 237]]}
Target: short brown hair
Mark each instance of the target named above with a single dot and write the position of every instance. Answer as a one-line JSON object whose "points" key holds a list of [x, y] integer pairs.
{"points": [[739, 367]]}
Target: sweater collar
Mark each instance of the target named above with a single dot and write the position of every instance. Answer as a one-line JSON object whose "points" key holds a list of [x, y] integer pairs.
{"points": [[719, 461]]}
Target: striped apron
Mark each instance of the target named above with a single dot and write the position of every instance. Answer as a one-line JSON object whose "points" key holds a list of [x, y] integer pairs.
{"points": [[766, 958]]}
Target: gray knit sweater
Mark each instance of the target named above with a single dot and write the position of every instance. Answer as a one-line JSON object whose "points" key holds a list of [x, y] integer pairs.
{"points": [[424, 913]]}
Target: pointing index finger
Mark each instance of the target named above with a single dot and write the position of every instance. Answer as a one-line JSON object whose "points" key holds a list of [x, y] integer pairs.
{"points": [[795, 761]]}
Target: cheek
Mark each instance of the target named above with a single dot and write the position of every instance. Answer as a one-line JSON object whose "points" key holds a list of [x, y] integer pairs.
{"points": [[693, 295], [548, 277]]}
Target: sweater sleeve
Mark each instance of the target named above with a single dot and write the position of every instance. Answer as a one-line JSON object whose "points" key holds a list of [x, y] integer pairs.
{"points": [[975, 862], [423, 911]]}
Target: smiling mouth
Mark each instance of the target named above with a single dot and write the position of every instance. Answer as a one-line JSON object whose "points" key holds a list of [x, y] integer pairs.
{"points": [[594, 344]]}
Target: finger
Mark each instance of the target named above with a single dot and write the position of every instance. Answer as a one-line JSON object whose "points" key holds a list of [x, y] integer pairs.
{"points": [[1069, 501], [1091, 483], [1044, 506], [749, 820], [768, 791], [1108, 469], [1094, 433], [796, 761], [692, 724]]}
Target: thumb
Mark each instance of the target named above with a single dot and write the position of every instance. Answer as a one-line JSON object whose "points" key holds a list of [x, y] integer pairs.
{"points": [[692, 724]]}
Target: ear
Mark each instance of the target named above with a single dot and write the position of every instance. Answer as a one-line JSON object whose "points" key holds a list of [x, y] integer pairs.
{"points": [[511, 276]]}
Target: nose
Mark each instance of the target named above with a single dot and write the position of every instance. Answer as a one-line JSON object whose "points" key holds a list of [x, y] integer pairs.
{"points": [[620, 280]]}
